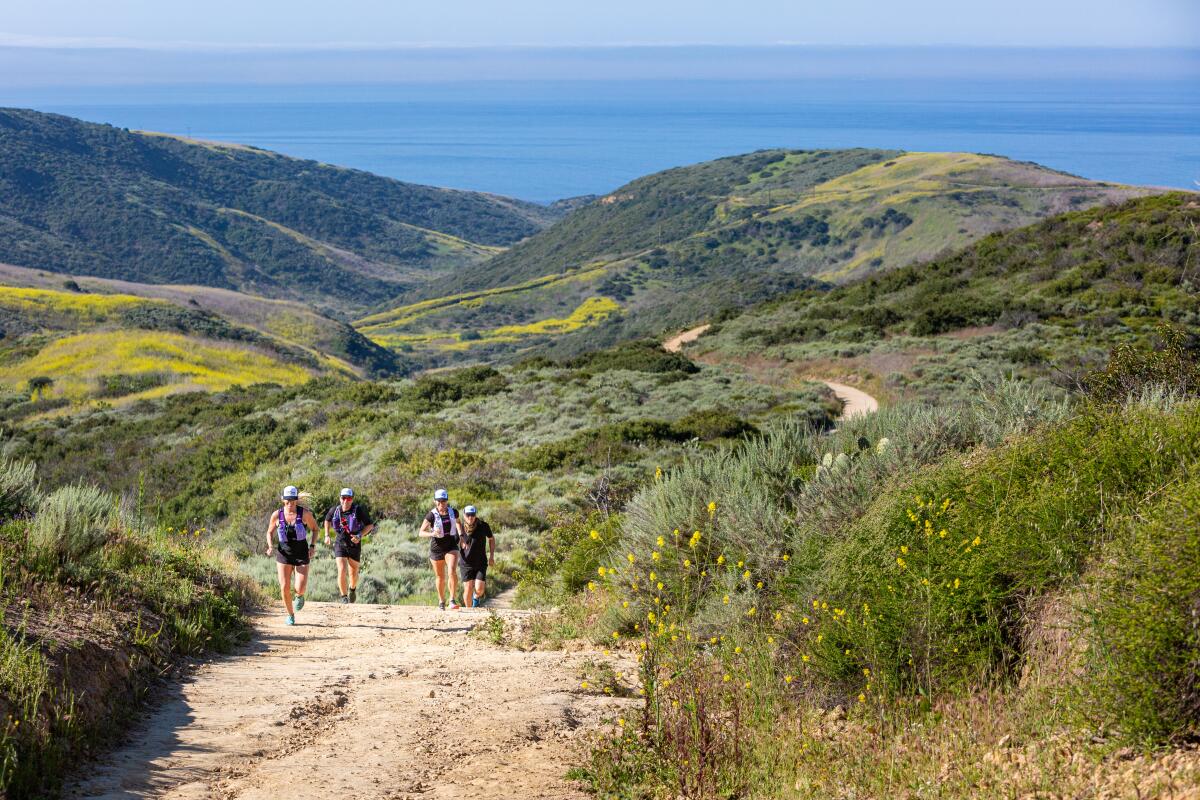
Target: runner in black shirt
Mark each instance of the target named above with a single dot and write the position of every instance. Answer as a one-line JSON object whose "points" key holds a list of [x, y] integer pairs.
{"points": [[350, 523], [475, 562], [442, 527]]}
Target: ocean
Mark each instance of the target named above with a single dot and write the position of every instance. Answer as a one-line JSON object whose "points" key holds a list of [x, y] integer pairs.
{"points": [[546, 140]]}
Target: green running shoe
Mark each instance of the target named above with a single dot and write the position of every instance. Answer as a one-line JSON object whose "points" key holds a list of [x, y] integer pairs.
{"points": [[291, 619], [299, 602]]}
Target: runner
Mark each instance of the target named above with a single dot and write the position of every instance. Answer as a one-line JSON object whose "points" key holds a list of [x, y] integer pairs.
{"points": [[443, 545], [350, 523], [289, 528], [474, 563]]}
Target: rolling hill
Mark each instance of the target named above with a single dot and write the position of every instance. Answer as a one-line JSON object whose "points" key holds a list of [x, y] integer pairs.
{"points": [[68, 342], [1046, 302], [86, 199], [725, 235]]}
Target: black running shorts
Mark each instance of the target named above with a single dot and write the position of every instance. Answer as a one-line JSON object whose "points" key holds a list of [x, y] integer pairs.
{"points": [[470, 572], [293, 552], [344, 548]]}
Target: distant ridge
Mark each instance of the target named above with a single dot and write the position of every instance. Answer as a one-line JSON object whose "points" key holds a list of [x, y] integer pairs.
{"points": [[88, 199], [696, 243]]}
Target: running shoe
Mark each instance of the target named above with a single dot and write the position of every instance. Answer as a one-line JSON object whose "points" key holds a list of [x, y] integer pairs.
{"points": [[453, 606], [291, 619], [353, 594], [299, 602], [475, 602], [441, 605], [344, 600]]}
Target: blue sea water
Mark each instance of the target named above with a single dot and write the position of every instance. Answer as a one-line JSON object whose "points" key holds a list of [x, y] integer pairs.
{"points": [[545, 140]]}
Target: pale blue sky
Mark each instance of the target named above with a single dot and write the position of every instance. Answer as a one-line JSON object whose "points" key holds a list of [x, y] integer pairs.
{"points": [[305, 23]]}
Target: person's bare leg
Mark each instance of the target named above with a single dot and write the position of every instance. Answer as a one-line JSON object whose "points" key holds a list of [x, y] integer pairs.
{"points": [[350, 562], [439, 574], [468, 590], [285, 586], [302, 579], [480, 588], [452, 568], [343, 568]]}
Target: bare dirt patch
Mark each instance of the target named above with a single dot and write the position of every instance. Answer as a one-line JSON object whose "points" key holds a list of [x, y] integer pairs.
{"points": [[369, 702]]}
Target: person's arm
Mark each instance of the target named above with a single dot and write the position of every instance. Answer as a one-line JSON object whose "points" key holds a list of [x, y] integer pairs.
{"points": [[327, 529], [310, 522], [426, 529], [270, 534], [491, 550], [366, 531]]}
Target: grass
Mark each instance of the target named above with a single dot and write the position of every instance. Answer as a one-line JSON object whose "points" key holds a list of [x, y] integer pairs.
{"points": [[86, 307], [812, 625], [77, 362], [97, 606]]}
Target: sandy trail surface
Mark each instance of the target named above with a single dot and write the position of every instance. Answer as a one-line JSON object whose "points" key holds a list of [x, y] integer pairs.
{"points": [[361, 702], [856, 401], [676, 343]]}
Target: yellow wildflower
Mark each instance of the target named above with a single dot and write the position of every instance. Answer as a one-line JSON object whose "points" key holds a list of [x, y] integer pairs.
{"points": [[725, 599], [595, 534], [660, 541]]}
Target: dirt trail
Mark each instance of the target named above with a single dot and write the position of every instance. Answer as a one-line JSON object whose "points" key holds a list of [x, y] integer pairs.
{"points": [[362, 702], [676, 343], [856, 401]]}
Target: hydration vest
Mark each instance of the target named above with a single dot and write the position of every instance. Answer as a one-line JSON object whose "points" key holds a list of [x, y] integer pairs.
{"points": [[292, 533], [347, 524], [455, 529]]}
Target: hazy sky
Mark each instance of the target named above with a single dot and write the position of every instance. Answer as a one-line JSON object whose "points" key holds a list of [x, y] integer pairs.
{"points": [[307, 23]]}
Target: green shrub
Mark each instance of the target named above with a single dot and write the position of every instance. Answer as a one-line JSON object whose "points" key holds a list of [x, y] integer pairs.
{"points": [[71, 525], [120, 385], [18, 488], [1143, 636], [640, 355], [933, 581], [1171, 362], [712, 423]]}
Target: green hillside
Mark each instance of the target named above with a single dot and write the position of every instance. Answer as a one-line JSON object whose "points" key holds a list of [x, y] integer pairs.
{"points": [[725, 234], [525, 444], [88, 199], [297, 329], [1044, 302], [72, 343]]}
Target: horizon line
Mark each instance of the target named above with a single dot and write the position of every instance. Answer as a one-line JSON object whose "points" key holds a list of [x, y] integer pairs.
{"points": [[18, 41]]}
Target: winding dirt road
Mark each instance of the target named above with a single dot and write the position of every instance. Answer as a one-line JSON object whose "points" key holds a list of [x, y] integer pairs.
{"points": [[362, 703], [855, 402]]}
